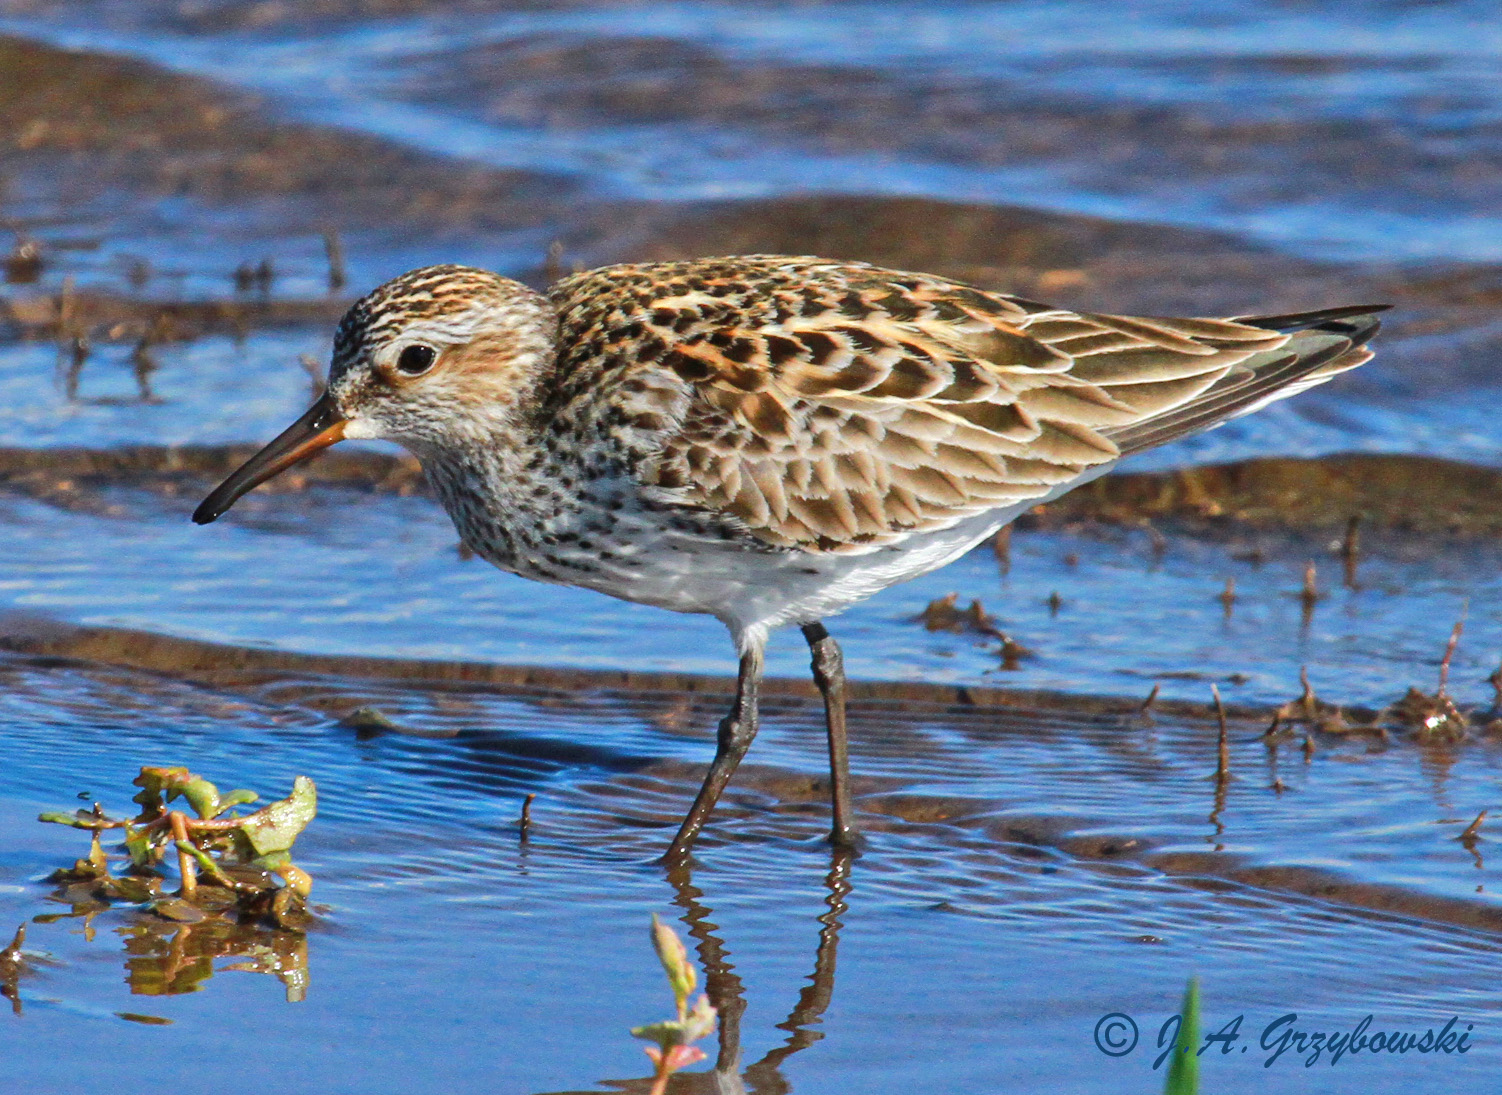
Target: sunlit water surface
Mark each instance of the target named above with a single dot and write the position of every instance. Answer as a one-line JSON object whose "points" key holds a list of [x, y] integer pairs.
{"points": [[987, 926]]}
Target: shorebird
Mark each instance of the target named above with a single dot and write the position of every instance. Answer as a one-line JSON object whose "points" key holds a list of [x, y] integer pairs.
{"points": [[770, 439]]}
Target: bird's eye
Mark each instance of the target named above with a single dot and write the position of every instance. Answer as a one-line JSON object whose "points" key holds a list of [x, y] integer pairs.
{"points": [[416, 359]]}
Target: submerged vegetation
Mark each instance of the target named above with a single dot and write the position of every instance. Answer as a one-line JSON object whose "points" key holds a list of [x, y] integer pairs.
{"points": [[226, 862], [239, 894]]}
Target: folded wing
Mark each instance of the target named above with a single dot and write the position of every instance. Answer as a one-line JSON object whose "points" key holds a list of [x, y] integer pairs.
{"points": [[839, 407]]}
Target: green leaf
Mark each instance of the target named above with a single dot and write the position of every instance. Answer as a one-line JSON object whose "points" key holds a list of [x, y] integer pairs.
{"points": [[239, 797], [97, 859], [138, 844], [202, 795], [155, 783], [674, 958], [1184, 1068], [71, 820], [297, 879], [207, 862], [275, 826], [175, 908], [698, 1023], [667, 1033], [136, 890]]}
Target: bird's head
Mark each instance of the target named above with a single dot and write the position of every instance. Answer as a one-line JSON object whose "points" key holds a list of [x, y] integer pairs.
{"points": [[435, 359]]}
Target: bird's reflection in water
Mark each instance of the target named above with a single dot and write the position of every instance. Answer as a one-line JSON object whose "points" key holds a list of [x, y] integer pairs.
{"points": [[726, 992]]}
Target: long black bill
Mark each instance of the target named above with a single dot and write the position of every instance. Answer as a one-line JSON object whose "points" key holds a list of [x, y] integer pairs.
{"points": [[321, 427]]}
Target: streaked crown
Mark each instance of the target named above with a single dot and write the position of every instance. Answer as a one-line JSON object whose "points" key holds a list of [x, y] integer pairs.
{"points": [[437, 350]]}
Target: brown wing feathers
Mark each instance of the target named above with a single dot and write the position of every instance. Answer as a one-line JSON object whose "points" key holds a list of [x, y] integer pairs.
{"points": [[1322, 345], [839, 406]]}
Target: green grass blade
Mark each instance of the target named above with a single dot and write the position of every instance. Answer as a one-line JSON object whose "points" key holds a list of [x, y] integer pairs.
{"points": [[1184, 1067]]}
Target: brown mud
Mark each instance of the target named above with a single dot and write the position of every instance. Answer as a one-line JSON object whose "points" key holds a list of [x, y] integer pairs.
{"points": [[1407, 494], [564, 81], [222, 665], [98, 130]]}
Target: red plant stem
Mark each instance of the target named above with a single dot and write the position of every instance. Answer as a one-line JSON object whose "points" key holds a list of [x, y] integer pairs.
{"points": [[660, 1080], [185, 862], [1444, 664]]}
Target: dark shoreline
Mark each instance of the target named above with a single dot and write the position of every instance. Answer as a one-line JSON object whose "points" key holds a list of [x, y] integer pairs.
{"points": [[1417, 495]]}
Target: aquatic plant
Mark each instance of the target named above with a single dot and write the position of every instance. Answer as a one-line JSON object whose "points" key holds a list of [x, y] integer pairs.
{"points": [[674, 1038], [1184, 1066], [240, 855]]}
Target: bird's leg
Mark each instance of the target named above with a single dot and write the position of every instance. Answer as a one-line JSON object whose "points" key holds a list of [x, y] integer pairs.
{"points": [[829, 675], [737, 730]]}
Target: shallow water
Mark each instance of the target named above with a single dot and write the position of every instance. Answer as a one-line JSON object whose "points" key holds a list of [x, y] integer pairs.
{"points": [[344, 572], [999, 936], [1032, 864], [1422, 80]]}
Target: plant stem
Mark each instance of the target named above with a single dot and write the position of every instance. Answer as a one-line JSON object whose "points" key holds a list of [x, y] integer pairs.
{"points": [[664, 1071], [185, 862]]}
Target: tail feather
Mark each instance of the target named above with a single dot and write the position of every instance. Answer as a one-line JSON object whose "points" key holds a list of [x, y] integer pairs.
{"points": [[1302, 321], [1322, 345]]}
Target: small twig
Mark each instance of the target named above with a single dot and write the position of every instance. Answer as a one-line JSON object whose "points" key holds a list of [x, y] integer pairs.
{"points": [[12, 953], [1472, 830], [1310, 594], [526, 819], [334, 249], [143, 363], [552, 262], [137, 273], [1350, 547], [1152, 698], [1228, 597], [315, 374], [1159, 541], [1350, 550], [78, 356], [1002, 546], [1308, 701], [1223, 746], [1444, 663]]}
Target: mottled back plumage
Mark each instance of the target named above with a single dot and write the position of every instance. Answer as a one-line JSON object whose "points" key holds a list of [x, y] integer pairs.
{"points": [[831, 407]]}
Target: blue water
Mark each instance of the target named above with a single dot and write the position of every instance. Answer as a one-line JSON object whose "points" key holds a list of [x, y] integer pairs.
{"points": [[1423, 78], [972, 956]]}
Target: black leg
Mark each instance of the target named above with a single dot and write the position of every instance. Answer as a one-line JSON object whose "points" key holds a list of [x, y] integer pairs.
{"points": [[737, 730], [829, 675]]}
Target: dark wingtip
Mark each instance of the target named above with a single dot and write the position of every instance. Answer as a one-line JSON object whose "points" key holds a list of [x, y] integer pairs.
{"points": [[1302, 321]]}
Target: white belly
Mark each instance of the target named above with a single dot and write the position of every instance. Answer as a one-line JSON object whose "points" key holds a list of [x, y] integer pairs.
{"points": [[755, 592]]}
